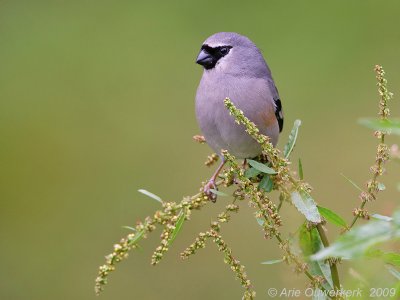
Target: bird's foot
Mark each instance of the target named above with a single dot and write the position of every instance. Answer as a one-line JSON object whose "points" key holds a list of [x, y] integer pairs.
{"points": [[210, 185]]}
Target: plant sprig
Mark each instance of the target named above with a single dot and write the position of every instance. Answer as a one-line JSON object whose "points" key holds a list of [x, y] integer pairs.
{"points": [[382, 151], [271, 171]]}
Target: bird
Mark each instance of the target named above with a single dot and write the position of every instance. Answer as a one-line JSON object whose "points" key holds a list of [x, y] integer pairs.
{"points": [[235, 68]]}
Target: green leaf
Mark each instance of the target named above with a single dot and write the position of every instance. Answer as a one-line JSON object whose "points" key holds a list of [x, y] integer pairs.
{"points": [[391, 258], [319, 295], [218, 193], [396, 218], [130, 228], [394, 272], [260, 167], [332, 217], [260, 221], [397, 290], [178, 227], [358, 240], [310, 243], [138, 236], [292, 139], [309, 240], [382, 218], [352, 182], [251, 172], [301, 175], [381, 186], [266, 183], [306, 205], [386, 126], [151, 195], [272, 262]]}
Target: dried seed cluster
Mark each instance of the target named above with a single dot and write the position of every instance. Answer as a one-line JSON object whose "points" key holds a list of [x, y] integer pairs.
{"points": [[361, 213], [382, 150], [121, 250], [166, 217], [199, 138], [229, 259], [211, 159]]}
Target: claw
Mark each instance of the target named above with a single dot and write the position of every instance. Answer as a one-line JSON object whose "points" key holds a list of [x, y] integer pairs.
{"points": [[211, 184], [207, 190]]}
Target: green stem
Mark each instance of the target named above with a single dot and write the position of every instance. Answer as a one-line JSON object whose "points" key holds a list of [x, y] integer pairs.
{"points": [[356, 217], [333, 266], [293, 257], [325, 242]]}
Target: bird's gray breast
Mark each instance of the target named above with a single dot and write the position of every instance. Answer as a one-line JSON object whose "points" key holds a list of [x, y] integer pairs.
{"points": [[252, 96]]}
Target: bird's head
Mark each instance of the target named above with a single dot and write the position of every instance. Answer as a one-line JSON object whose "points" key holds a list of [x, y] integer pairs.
{"points": [[231, 53]]}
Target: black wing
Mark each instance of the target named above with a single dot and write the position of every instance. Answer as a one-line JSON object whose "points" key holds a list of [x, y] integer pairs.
{"points": [[278, 103], [279, 113]]}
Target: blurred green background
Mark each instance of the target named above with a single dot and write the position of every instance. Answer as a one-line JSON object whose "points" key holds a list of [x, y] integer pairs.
{"points": [[97, 101]]}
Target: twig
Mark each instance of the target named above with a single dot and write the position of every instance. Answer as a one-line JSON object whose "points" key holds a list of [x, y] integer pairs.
{"points": [[382, 153]]}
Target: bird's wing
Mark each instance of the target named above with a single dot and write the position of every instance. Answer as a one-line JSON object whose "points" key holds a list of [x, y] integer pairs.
{"points": [[279, 113], [277, 102]]}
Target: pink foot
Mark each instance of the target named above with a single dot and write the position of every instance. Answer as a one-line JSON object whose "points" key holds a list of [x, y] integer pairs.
{"points": [[207, 190]]}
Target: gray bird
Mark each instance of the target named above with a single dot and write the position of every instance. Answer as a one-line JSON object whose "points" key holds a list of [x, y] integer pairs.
{"points": [[235, 68]]}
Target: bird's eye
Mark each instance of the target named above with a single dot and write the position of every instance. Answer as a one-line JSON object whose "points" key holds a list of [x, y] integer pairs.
{"points": [[224, 50]]}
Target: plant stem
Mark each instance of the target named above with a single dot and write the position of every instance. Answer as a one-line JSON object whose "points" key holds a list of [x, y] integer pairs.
{"points": [[292, 256], [325, 242], [384, 113], [356, 217], [278, 163], [333, 266], [364, 202]]}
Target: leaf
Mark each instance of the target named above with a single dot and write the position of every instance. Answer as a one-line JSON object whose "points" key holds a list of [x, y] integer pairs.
{"points": [[382, 218], [396, 218], [354, 243], [260, 221], [218, 193], [130, 228], [319, 295], [260, 167], [310, 243], [391, 258], [386, 125], [272, 262], [301, 176], [306, 205], [394, 272], [266, 183], [138, 236], [352, 182], [251, 172], [332, 217], [396, 290], [178, 227], [151, 195], [292, 139]]}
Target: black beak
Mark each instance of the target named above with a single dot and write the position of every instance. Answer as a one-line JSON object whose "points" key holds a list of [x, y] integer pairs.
{"points": [[205, 59]]}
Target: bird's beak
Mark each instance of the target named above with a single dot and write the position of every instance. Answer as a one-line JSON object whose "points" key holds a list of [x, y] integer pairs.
{"points": [[204, 58]]}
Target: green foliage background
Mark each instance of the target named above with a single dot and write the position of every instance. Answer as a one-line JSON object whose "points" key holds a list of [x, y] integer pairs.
{"points": [[97, 101]]}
